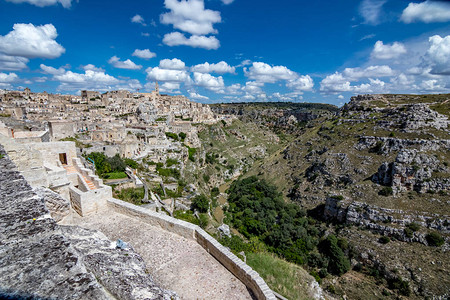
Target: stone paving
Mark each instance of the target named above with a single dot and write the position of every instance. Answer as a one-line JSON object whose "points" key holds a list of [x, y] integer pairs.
{"points": [[175, 262]]}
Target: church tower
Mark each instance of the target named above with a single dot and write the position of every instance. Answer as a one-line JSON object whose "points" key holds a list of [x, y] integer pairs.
{"points": [[157, 88]]}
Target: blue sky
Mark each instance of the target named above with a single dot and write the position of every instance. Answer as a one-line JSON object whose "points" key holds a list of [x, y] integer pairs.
{"points": [[227, 50]]}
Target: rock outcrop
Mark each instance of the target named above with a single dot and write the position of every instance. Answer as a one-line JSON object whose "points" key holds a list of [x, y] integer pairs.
{"points": [[41, 259]]}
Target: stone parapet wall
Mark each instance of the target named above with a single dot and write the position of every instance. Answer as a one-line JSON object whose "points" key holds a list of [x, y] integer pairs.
{"points": [[235, 265]]}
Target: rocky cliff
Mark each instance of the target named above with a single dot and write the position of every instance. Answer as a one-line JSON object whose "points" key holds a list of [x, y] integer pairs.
{"points": [[41, 259]]}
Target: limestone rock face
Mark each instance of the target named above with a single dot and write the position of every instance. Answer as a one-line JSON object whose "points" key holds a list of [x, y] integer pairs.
{"points": [[57, 205], [412, 170], [40, 259]]}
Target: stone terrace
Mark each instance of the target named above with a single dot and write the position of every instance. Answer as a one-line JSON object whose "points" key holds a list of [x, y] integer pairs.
{"points": [[176, 263]]}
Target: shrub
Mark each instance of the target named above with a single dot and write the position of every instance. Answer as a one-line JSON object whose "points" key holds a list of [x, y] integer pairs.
{"points": [[171, 161], [215, 192], [435, 239], [386, 191], [131, 163], [200, 203], [182, 136], [384, 240], [203, 220], [401, 285], [378, 148], [172, 135], [413, 226], [206, 178], [408, 232]]}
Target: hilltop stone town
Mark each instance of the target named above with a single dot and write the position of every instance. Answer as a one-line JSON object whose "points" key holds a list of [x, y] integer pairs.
{"points": [[46, 138]]}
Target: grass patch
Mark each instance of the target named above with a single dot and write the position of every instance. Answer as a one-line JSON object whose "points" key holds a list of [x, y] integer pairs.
{"points": [[115, 175], [132, 195], [187, 216], [285, 278]]}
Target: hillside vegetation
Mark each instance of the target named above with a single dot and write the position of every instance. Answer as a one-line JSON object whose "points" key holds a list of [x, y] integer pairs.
{"points": [[369, 182]]}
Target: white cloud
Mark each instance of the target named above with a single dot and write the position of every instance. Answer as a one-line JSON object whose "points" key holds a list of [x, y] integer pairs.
{"points": [[427, 12], [196, 41], [51, 70], [302, 83], [127, 64], [438, 55], [144, 54], [7, 79], [91, 67], [253, 87], [370, 10], [31, 41], [196, 96], [220, 68], [263, 72], [367, 37], [172, 64], [381, 51], [209, 82], [146, 34], [190, 16], [159, 74], [12, 63], [226, 2], [432, 85], [139, 20], [341, 97], [42, 3], [170, 87], [337, 83], [354, 74], [93, 80]]}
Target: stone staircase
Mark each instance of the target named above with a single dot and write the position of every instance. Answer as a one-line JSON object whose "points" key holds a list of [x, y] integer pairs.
{"points": [[73, 170]]}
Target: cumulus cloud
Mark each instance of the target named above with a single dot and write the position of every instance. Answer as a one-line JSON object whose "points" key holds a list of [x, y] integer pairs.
{"points": [[42, 3], [337, 83], [52, 70], [195, 41], [302, 83], [172, 64], [144, 54], [139, 20], [170, 87], [27, 40], [354, 74], [220, 68], [381, 51], [427, 12], [263, 72], [12, 63], [126, 64], [226, 2], [91, 67], [160, 74], [370, 10], [196, 96], [11, 77], [209, 82], [438, 55], [93, 80], [7, 79], [190, 16]]}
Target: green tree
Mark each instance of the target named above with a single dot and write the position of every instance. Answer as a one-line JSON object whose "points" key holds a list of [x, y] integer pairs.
{"points": [[200, 203], [338, 262]]}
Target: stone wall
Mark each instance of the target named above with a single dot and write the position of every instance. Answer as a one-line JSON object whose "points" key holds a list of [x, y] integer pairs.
{"points": [[236, 266], [43, 260]]}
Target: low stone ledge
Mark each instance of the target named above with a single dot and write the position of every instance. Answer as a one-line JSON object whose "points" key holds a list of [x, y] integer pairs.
{"points": [[236, 266]]}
